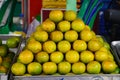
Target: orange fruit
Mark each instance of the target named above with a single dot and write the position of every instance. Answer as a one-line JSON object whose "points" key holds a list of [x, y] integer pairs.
{"points": [[56, 36], [42, 57], [86, 56], [79, 45], [71, 35], [86, 35], [77, 25], [108, 66], [70, 15], [18, 69], [34, 46], [1, 60], [41, 36], [64, 46], [63, 26], [64, 67], [94, 45], [56, 56], [48, 26], [72, 56], [101, 56], [3, 50], [26, 56], [49, 68], [87, 27], [49, 46], [93, 67], [78, 68], [3, 69], [56, 15], [34, 68]]}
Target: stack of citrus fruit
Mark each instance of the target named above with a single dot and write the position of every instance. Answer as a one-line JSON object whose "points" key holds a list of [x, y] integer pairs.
{"points": [[6, 52], [63, 44]]}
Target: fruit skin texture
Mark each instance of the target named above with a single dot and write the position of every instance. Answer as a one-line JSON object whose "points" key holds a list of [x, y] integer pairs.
{"points": [[63, 26], [42, 57], [64, 46], [56, 36], [41, 36], [34, 46], [108, 66], [78, 25], [93, 67], [70, 15], [49, 68], [101, 56], [26, 57], [72, 56], [34, 68], [56, 57], [79, 45], [78, 68], [71, 35], [94, 45], [56, 15], [48, 26], [64, 67], [86, 35], [86, 56], [18, 69], [49, 46]]}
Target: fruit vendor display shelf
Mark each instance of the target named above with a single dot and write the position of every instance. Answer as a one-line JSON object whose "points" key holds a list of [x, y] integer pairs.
{"points": [[70, 77]]}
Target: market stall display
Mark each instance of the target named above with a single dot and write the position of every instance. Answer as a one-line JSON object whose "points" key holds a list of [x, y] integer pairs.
{"points": [[63, 47]]}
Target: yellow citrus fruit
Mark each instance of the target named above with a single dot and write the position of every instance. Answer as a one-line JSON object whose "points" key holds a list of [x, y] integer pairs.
{"points": [[56, 36], [26, 56], [49, 46], [72, 56], [64, 46], [64, 67], [103, 49], [101, 56], [38, 28], [86, 56], [94, 67], [77, 25], [110, 56], [12, 42], [48, 26], [0, 60], [71, 35], [6, 64], [18, 69], [34, 68], [3, 50], [63, 26], [3, 69], [34, 46], [56, 56], [42, 57], [86, 35], [78, 68], [100, 38], [94, 45], [108, 66], [87, 27], [106, 44], [41, 36], [49, 68], [70, 15], [56, 15], [27, 74], [79, 45]]}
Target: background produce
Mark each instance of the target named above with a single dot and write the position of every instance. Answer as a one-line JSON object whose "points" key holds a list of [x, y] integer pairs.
{"points": [[8, 47], [63, 44]]}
